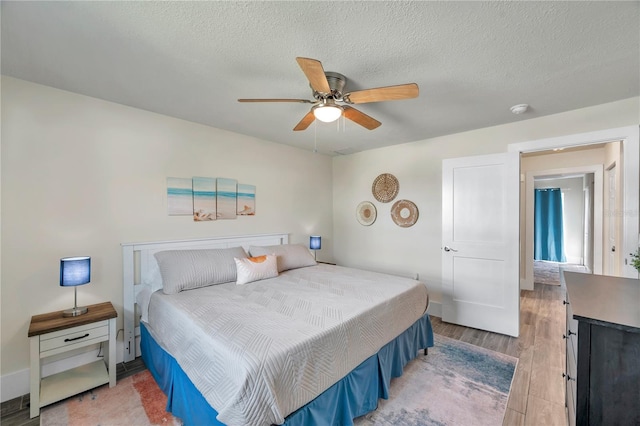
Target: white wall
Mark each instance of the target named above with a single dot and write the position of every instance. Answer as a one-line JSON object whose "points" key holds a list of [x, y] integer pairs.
{"points": [[81, 175], [385, 247]]}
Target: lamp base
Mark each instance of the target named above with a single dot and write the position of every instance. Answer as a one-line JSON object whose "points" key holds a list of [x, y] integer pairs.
{"points": [[74, 312]]}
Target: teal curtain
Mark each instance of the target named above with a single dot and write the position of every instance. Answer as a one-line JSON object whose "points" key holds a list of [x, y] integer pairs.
{"points": [[548, 232]]}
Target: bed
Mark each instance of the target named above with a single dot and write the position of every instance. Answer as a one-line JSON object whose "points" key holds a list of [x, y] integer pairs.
{"points": [[307, 344]]}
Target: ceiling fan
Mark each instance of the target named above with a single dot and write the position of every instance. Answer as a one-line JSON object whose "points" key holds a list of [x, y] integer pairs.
{"points": [[330, 102]]}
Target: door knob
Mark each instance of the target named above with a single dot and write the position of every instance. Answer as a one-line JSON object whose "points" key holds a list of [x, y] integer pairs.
{"points": [[447, 249]]}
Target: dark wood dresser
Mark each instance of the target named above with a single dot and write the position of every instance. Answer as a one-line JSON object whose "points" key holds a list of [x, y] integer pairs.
{"points": [[603, 349]]}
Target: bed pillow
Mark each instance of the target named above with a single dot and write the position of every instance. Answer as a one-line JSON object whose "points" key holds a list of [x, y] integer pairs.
{"points": [[189, 269], [290, 256], [256, 268]]}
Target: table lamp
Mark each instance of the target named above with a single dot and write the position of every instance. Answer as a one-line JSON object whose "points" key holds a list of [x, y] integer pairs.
{"points": [[315, 243], [75, 271]]}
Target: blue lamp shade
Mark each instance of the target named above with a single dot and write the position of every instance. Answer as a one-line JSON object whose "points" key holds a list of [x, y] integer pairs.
{"points": [[75, 271], [315, 242]]}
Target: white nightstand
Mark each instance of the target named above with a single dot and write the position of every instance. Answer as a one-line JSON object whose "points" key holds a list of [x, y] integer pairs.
{"points": [[52, 334]]}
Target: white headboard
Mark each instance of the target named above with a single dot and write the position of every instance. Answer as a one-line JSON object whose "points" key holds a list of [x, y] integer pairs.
{"points": [[139, 266]]}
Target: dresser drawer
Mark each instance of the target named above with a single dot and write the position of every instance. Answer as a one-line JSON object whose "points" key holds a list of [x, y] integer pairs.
{"points": [[571, 384], [69, 338], [572, 342], [572, 372], [571, 406], [572, 332]]}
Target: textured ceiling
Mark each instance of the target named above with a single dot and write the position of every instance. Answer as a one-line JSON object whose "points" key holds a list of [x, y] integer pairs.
{"points": [[193, 60]]}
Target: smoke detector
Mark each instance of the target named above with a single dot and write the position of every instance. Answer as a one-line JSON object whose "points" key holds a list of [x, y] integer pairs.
{"points": [[519, 109]]}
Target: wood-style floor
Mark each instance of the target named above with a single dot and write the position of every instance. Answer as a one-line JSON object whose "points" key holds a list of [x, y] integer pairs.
{"points": [[537, 392]]}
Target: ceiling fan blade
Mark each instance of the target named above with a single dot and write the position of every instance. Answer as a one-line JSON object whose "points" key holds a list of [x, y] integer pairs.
{"points": [[305, 122], [389, 93], [360, 118], [302, 101], [312, 68]]}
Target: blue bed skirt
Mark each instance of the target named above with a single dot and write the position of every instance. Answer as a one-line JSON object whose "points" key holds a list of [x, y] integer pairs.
{"points": [[353, 396]]}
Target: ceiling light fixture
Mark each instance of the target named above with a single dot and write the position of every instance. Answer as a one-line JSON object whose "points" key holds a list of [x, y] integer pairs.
{"points": [[519, 109], [327, 111]]}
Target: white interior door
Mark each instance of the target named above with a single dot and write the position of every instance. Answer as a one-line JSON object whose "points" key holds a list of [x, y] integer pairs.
{"points": [[480, 242]]}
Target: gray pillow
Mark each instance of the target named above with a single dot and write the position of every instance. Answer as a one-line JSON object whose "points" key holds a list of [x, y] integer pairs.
{"points": [[290, 256], [189, 269]]}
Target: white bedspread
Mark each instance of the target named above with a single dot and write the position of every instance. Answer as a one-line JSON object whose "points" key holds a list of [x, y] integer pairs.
{"points": [[260, 351]]}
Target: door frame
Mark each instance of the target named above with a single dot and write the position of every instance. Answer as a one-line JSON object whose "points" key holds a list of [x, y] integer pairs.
{"points": [[526, 282], [587, 230], [611, 222], [630, 138]]}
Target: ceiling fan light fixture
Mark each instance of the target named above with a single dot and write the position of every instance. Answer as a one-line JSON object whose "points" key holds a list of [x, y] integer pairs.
{"points": [[327, 112]]}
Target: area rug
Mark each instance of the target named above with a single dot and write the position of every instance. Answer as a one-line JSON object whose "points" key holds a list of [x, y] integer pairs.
{"points": [[455, 384], [134, 401], [546, 272]]}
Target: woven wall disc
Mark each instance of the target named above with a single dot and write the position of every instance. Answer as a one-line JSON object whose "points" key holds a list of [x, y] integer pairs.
{"points": [[366, 213], [404, 213], [385, 187]]}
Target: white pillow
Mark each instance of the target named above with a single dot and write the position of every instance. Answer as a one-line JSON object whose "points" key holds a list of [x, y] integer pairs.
{"points": [[257, 268], [189, 269], [290, 256]]}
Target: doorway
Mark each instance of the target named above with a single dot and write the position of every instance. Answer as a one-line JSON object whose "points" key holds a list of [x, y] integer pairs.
{"points": [[563, 225], [575, 220], [627, 140]]}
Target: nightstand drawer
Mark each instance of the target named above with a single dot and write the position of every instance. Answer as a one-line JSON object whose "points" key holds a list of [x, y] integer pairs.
{"points": [[74, 337]]}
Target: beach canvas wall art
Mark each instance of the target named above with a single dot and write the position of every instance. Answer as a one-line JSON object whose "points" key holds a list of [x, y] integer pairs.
{"points": [[207, 199], [246, 200], [179, 196], [204, 199], [226, 193]]}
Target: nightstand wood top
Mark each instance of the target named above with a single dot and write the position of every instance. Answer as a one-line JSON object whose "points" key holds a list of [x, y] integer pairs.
{"points": [[54, 321]]}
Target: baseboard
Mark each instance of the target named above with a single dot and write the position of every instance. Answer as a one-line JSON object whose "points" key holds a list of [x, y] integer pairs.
{"points": [[577, 260], [13, 385], [16, 384], [435, 309], [526, 284]]}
